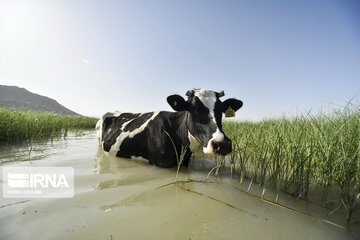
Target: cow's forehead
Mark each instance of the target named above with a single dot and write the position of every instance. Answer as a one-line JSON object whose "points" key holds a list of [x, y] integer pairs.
{"points": [[205, 94], [207, 97]]}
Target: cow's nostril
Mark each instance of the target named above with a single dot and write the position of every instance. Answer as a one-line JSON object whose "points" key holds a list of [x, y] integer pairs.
{"points": [[216, 146], [222, 148]]}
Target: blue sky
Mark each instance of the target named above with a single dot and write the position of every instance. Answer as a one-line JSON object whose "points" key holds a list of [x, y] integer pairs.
{"points": [[97, 56]]}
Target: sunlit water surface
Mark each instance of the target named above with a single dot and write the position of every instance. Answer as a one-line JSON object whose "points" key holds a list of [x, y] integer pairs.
{"points": [[128, 199]]}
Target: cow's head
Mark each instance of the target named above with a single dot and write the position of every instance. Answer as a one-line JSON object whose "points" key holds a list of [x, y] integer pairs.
{"points": [[204, 121]]}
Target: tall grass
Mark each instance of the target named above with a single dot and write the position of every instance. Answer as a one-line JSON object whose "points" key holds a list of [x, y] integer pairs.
{"points": [[297, 154], [179, 159], [17, 125]]}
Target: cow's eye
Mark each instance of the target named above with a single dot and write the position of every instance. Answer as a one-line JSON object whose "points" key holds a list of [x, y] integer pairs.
{"points": [[201, 110], [199, 107]]}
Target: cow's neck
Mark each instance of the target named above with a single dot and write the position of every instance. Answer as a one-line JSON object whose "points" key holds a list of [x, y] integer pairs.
{"points": [[180, 122]]}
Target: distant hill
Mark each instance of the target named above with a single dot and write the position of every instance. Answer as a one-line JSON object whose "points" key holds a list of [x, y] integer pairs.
{"points": [[20, 98]]}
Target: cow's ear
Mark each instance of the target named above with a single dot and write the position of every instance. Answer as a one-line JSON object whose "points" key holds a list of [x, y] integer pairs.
{"points": [[233, 103], [178, 103]]}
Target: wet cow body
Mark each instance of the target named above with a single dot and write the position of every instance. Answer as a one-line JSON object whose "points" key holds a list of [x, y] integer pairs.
{"points": [[153, 135]]}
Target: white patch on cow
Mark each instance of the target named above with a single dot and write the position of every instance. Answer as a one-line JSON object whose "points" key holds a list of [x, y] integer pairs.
{"points": [[99, 124], [208, 98], [194, 144], [216, 137], [130, 134], [138, 158]]}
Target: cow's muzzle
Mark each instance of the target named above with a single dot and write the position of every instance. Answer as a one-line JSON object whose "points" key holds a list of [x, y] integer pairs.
{"points": [[223, 147]]}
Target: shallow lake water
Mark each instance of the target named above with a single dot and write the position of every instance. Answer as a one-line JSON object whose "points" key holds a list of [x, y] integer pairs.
{"points": [[129, 199]]}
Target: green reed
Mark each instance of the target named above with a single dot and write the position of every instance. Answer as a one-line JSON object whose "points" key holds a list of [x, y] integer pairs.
{"points": [[296, 154], [17, 125]]}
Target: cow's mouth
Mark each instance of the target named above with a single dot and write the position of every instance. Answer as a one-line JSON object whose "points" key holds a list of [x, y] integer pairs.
{"points": [[218, 147], [222, 148]]}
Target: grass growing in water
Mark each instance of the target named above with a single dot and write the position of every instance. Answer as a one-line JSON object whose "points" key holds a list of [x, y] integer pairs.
{"points": [[296, 154], [179, 159], [17, 125]]}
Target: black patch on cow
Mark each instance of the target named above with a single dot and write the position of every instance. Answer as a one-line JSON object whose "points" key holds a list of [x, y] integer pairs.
{"points": [[138, 121], [133, 147]]}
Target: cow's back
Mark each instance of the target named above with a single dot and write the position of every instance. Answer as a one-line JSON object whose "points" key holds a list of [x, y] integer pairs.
{"points": [[124, 134]]}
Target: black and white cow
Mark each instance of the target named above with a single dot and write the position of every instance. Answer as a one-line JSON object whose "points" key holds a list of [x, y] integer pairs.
{"points": [[152, 135]]}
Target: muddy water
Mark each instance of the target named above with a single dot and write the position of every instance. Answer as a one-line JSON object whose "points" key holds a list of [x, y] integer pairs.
{"points": [[129, 199]]}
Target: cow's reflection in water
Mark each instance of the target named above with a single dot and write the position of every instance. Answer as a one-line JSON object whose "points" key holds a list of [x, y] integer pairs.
{"points": [[124, 171]]}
